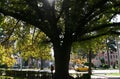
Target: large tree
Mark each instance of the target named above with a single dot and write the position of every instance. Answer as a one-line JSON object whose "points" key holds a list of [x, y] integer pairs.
{"points": [[22, 39], [65, 22]]}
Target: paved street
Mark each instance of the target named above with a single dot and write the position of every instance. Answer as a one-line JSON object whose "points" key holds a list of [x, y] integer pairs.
{"points": [[104, 71], [102, 74], [99, 74]]}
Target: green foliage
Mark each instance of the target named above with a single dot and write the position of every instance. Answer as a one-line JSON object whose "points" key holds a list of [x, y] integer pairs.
{"points": [[111, 43], [35, 47], [105, 66], [5, 56], [102, 60], [97, 45], [17, 36], [85, 76], [63, 22], [87, 64]]}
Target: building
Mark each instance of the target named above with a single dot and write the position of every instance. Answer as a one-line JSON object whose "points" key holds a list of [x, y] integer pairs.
{"points": [[113, 58], [110, 58]]}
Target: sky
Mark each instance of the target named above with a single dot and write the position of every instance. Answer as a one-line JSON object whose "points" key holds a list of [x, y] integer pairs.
{"points": [[116, 19]]}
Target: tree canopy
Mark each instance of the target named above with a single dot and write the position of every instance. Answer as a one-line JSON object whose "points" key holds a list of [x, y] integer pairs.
{"points": [[19, 37], [93, 16], [65, 22]]}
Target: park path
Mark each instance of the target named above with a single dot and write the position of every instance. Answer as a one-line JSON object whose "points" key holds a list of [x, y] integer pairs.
{"points": [[99, 74], [103, 76]]}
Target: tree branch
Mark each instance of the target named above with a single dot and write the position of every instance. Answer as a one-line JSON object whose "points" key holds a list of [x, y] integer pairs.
{"points": [[11, 31], [102, 26], [98, 35], [34, 5], [87, 17], [27, 17]]}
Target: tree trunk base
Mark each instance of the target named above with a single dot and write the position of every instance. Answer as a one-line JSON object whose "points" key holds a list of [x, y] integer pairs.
{"points": [[63, 77]]}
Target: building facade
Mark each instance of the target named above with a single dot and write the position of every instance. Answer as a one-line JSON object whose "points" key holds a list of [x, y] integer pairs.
{"points": [[109, 58]]}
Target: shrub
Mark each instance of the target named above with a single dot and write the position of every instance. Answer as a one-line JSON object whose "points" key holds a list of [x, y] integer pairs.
{"points": [[105, 66], [85, 76]]}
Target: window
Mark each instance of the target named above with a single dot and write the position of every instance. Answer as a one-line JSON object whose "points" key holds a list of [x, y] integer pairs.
{"points": [[111, 56]]}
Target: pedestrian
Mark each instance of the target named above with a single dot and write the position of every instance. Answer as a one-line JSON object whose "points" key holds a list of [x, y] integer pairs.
{"points": [[52, 68]]}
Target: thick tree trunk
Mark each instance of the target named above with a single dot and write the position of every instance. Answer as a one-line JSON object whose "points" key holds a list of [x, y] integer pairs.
{"points": [[42, 64], [108, 58], [90, 64], [62, 57]]}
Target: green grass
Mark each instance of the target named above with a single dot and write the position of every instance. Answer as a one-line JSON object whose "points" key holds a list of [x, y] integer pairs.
{"points": [[8, 77], [114, 74], [5, 77]]}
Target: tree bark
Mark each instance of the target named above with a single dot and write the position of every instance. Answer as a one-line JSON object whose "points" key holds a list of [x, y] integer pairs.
{"points": [[62, 57], [90, 64], [42, 64]]}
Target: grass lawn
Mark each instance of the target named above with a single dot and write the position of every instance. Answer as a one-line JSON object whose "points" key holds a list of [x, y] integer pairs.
{"points": [[5, 77], [8, 77], [114, 74]]}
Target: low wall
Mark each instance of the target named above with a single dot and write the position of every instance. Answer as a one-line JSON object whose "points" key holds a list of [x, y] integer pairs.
{"points": [[27, 74]]}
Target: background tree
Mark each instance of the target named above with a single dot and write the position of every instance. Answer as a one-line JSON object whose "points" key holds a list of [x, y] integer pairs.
{"points": [[5, 57], [65, 22], [22, 38], [91, 47], [8, 48]]}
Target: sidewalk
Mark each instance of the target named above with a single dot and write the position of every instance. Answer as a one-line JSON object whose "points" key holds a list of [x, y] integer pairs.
{"points": [[103, 76]]}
